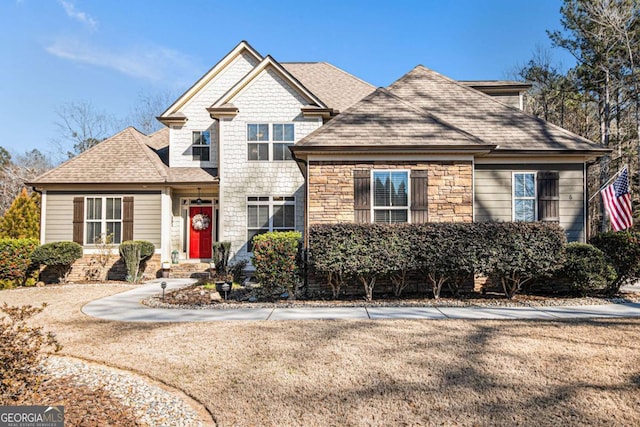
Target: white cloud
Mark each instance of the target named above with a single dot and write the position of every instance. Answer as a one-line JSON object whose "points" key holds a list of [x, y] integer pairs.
{"points": [[151, 62], [79, 16]]}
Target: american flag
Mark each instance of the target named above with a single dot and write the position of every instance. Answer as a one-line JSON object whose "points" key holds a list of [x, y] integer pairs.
{"points": [[617, 201]]}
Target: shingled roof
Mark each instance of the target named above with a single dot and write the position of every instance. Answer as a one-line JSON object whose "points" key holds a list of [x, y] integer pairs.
{"points": [[384, 120], [128, 157], [335, 87], [483, 116]]}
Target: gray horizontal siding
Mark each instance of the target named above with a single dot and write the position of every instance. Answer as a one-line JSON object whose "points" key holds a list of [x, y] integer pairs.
{"points": [[147, 216], [493, 192]]}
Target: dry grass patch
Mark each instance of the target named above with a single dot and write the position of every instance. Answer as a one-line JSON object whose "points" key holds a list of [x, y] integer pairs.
{"points": [[396, 372]]}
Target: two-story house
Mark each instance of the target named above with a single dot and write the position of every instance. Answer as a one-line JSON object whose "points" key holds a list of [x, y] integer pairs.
{"points": [[256, 145], [221, 170]]}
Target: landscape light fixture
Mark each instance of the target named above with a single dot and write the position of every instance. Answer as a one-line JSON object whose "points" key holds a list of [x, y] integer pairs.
{"points": [[163, 285]]}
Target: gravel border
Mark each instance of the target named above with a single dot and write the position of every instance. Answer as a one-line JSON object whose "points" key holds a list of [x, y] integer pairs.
{"points": [[152, 404]]}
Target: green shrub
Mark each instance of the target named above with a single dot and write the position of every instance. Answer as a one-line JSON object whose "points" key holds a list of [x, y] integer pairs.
{"points": [[275, 257], [134, 253], [518, 252], [59, 256], [327, 248], [22, 219], [403, 257], [622, 250], [586, 270], [16, 268], [22, 350], [237, 270]]}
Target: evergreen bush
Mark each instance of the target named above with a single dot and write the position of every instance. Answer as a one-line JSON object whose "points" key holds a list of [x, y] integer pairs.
{"points": [[16, 268], [622, 250], [59, 256], [586, 270], [134, 253], [276, 259]]}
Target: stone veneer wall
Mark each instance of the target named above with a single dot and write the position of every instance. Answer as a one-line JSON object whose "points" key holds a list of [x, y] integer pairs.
{"points": [[449, 186], [117, 270]]}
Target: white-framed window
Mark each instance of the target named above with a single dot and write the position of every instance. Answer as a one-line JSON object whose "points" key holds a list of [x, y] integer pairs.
{"points": [[201, 147], [524, 196], [269, 213], [258, 138], [280, 136], [390, 194], [282, 140], [103, 217]]}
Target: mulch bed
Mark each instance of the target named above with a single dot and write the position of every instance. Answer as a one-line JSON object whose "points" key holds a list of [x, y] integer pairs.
{"points": [[197, 297]]}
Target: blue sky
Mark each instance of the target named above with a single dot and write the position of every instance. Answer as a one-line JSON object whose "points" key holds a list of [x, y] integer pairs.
{"points": [[54, 52]]}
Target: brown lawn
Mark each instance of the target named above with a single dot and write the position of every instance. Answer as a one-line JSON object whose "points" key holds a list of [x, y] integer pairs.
{"points": [[397, 372]]}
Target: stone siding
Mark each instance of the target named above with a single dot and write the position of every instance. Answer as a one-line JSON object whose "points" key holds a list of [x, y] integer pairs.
{"points": [[331, 198]]}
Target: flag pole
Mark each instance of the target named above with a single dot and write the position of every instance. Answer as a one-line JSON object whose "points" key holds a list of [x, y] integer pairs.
{"points": [[608, 182]]}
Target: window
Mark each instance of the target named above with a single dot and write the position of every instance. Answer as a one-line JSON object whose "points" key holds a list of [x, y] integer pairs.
{"points": [[280, 137], [266, 214], [103, 218], [282, 140], [258, 137], [390, 196], [201, 149], [524, 196]]}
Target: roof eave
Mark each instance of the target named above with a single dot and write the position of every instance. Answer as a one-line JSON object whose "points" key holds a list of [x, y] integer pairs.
{"points": [[172, 120], [389, 149]]}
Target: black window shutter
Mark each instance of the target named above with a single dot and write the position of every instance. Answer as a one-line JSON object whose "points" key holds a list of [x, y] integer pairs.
{"points": [[362, 195], [419, 196], [548, 196], [78, 220], [127, 218]]}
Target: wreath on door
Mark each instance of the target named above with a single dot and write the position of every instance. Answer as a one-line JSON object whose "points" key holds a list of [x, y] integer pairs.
{"points": [[200, 222]]}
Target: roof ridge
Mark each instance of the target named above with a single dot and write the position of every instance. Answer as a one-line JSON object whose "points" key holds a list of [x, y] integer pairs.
{"points": [[147, 151]]}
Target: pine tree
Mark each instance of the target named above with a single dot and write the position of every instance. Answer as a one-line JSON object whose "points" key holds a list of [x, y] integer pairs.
{"points": [[22, 219]]}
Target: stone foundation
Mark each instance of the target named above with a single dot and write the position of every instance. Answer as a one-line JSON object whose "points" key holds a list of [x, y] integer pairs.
{"points": [[116, 270]]}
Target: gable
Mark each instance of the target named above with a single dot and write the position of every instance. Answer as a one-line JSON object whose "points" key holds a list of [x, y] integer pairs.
{"points": [[242, 58]]}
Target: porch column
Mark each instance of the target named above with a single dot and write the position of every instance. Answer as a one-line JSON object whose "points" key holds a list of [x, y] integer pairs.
{"points": [[165, 229]]}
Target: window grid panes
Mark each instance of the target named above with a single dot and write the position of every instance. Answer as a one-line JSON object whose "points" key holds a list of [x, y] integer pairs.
{"points": [[391, 196], [264, 214], [524, 197], [201, 148], [103, 218], [259, 138]]}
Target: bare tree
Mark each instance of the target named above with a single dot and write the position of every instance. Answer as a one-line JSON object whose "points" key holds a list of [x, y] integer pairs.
{"points": [[82, 125], [149, 106], [14, 175]]}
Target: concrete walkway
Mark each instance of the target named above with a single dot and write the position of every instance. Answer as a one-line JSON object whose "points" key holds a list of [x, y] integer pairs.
{"points": [[126, 307]]}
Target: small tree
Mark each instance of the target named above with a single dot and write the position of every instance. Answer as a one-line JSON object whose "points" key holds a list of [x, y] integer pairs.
{"points": [[59, 256], [134, 253], [22, 219], [16, 268], [220, 255], [275, 256]]}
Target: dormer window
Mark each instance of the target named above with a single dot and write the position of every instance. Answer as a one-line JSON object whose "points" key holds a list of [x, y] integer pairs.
{"points": [[201, 149]]}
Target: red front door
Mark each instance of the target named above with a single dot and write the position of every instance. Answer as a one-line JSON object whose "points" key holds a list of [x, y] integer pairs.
{"points": [[200, 232]]}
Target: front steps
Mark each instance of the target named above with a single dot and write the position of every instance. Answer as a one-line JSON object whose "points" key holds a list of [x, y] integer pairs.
{"points": [[189, 270]]}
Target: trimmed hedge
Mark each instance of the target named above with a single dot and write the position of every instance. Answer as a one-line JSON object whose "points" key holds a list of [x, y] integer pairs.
{"points": [[276, 259], [586, 270], [134, 252], [16, 268], [59, 256], [443, 253], [622, 250]]}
